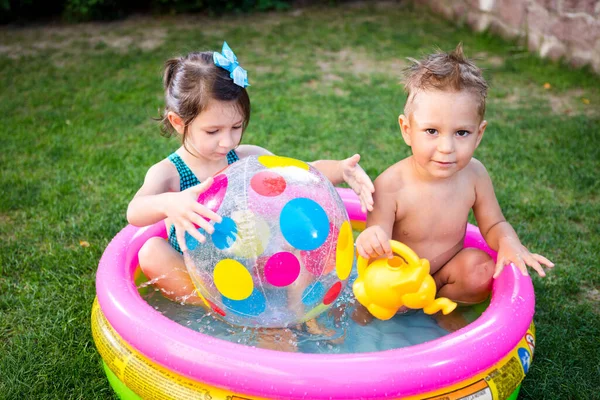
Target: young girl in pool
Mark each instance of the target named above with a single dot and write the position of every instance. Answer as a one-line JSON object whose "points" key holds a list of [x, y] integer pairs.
{"points": [[208, 107]]}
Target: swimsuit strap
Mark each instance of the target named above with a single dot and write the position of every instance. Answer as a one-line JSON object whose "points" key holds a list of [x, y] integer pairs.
{"points": [[232, 157], [187, 179]]}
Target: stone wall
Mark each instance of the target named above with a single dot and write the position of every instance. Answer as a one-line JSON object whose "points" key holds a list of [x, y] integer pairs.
{"points": [[555, 29]]}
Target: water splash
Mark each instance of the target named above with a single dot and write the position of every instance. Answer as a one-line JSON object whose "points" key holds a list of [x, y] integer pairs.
{"points": [[333, 332]]}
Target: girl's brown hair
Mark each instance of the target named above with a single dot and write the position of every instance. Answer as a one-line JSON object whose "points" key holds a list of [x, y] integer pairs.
{"points": [[191, 82], [445, 71]]}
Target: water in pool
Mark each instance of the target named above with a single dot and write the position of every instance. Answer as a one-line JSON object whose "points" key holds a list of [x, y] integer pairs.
{"points": [[335, 331]]}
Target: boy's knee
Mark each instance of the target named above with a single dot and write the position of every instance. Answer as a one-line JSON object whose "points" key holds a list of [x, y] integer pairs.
{"points": [[478, 275], [467, 278]]}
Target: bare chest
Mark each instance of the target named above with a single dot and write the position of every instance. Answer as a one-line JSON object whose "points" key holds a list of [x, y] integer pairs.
{"points": [[432, 221]]}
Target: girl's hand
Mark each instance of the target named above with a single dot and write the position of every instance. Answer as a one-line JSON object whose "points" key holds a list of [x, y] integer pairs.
{"points": [[373, 242], [185, 211], [512, 251], [359, 181]]}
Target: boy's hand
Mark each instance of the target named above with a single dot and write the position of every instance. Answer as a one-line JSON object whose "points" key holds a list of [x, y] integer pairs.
{"points": [[373, 242], [185, 211], [359, 181], [512, 251]]}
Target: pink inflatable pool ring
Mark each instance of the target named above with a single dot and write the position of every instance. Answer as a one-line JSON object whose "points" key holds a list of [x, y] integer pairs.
{"points": [[146, 354]]}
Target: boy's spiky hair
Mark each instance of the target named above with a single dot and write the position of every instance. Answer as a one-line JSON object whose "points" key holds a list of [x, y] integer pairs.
{"points": [[445, 71]]}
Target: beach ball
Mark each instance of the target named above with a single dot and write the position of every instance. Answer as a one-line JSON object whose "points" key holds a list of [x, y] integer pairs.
{"points": [[284, 249]]}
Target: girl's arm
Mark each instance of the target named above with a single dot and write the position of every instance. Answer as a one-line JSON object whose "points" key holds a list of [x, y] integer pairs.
{"points": [[337, 171], [350, 172], [246, 150], [160, 198], [332, 169], [150, 202]]}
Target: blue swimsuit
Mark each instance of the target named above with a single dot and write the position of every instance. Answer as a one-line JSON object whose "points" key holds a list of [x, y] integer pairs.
{"points": [[187, 179]]}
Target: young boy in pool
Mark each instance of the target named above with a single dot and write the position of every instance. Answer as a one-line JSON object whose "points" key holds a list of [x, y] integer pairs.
{"points": [[424, 200]]}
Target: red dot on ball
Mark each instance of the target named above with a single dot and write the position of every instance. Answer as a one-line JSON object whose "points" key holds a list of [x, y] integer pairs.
{"points": [[332, 293], [216, 309], [268, 183]]}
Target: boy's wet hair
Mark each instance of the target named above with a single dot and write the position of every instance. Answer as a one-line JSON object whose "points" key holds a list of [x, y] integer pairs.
{"points": [[447, 72], [191, 82]]}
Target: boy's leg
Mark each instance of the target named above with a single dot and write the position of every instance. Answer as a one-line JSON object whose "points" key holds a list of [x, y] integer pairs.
{"points": [[294, 294], [467, 277], [165, 268], [280, 339], [361, 315]]}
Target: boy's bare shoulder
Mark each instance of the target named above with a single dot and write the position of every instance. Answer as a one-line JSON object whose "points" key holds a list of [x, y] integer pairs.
{"points": [[476, 168], [393, 178]]}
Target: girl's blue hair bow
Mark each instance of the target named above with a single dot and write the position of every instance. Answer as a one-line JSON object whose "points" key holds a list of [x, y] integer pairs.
{"points": [[228, 61]]}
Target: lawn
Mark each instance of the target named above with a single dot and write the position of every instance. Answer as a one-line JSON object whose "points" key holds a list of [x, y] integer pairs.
{"points": [[76, 110]]}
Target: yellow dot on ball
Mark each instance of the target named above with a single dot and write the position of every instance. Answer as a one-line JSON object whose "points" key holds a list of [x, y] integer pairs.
{"points": [[344, 251], [253, 234], [233, 280], [276, 161]]}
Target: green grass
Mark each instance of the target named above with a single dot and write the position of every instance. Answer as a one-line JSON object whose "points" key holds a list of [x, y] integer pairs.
{"points": [[77, 138]]}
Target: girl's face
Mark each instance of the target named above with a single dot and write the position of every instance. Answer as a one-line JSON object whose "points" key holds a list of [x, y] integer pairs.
{"points": [[443, 130], [216, 130]]}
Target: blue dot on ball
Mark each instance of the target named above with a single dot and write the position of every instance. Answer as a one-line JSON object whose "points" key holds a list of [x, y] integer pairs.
{"points": [[252, 306], [313, 294], [191, 241], [225, 234], [304, 224]]}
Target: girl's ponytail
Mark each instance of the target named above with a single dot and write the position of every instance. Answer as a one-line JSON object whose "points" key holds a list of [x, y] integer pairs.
{"points": [[171, 67], [169, 73]]}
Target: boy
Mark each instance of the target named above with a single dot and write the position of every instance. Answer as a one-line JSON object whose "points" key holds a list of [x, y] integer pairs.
{"points": [[424, 200]]}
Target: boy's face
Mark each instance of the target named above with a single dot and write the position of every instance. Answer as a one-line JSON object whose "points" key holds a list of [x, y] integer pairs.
{"points": [[443, 129]]}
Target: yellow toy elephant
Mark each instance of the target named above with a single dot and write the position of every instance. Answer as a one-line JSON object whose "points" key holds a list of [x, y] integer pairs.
{"points": [[386, 285]]}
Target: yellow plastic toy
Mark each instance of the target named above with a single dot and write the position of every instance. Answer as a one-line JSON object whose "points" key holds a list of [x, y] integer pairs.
{"points": [[385, 285]]}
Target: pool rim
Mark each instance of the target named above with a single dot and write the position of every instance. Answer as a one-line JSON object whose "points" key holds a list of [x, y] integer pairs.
{"points": [[392, 373]]}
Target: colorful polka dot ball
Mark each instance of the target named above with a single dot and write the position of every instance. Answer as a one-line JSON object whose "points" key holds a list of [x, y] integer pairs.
{"points": [[284, 249]]}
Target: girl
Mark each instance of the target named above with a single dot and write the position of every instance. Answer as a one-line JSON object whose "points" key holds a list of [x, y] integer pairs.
{"points": [[208, 107]]}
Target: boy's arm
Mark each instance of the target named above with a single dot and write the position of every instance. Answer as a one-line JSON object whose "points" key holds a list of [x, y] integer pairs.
{"points": [[498, 233], [374, 241], [491, 221]]}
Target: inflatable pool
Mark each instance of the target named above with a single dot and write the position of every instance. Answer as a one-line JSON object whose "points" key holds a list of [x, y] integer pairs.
{"points": [[147, 355]]}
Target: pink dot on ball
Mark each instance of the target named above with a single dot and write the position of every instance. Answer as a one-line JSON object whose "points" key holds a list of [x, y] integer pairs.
{"points": [[213, 197], [282, 269], [268, 183], [332, 293], [322, 260]]}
